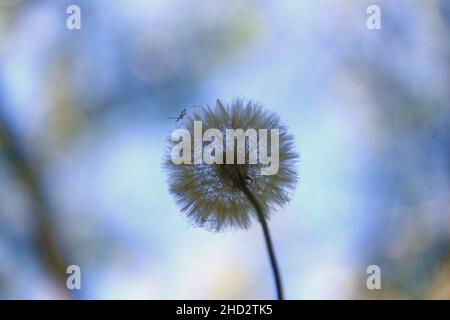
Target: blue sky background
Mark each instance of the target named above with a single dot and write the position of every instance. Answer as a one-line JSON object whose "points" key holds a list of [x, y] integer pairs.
{"points": [[368, 109]]}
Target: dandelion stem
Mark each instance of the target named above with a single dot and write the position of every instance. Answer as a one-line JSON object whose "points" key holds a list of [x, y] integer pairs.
{"points": [[269, 245]]}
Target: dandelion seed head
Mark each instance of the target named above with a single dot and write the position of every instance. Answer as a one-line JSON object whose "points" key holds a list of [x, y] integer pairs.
{"points": [[210, 194]]}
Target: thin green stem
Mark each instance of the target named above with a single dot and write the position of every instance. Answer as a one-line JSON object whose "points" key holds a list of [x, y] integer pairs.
{"points": [[267, 238]]}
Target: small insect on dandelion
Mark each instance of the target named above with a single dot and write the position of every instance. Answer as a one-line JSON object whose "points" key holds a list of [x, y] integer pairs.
{"points": [[239, 167]]}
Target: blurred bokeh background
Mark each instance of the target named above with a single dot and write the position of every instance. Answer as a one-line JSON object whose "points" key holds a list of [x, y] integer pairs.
{"points": [[83, 121]]}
